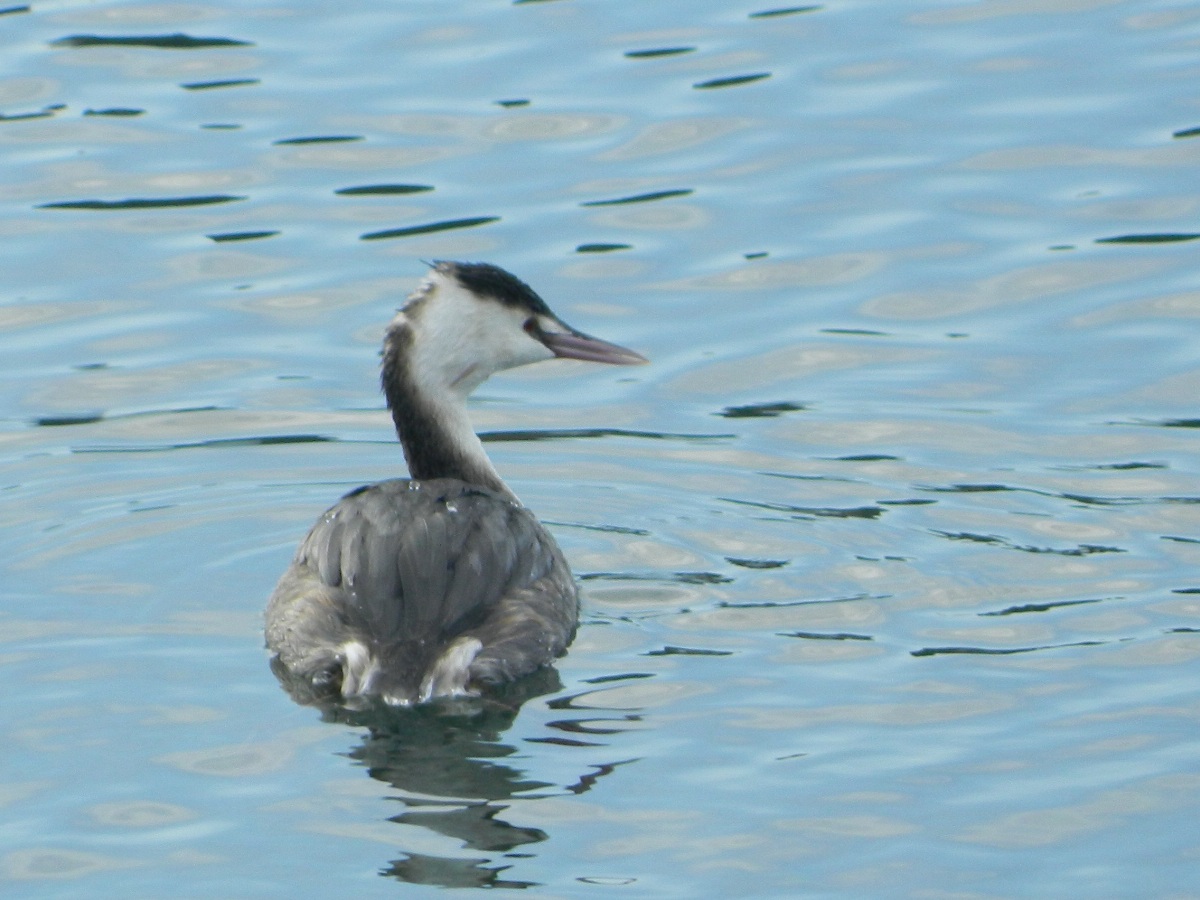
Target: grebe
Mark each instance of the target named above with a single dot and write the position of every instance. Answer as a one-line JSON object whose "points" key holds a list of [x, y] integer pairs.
{"points": [[441, 584]]}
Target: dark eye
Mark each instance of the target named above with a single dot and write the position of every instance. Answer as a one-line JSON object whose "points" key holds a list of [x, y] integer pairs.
{"points": [[532, 328]]}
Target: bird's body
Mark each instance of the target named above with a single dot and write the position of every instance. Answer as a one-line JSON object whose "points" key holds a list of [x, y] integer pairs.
{"points": [[441, 584]]}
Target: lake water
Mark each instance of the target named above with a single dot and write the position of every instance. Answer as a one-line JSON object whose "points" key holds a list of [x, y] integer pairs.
{"points": [[891, 560]]}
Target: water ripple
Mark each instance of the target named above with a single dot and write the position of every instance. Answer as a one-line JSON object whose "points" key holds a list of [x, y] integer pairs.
{"points": [[45, 112], [657, 52], [142, 203], [1039, 607], [731, 81], [785, 11], [124, 112], [761, 410], [677, 577], [991, 539], [318, 139], [159, 42], [639, 198], [383, 190], [241, 236], [602, 248], [220, 83], [809, 512], [1084, 499], [1168, 238], [746, 563], [429, 228], [1000, 651], [671, 650], [554, 434], [827, 636]]}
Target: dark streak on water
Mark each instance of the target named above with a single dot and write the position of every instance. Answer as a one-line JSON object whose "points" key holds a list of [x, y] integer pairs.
{"points": [[786, 11], [757, 563], [429, 228], [602, 248], [1113, 467], [671, 650], [117, 111], [88, 418], [562, 742], [159, 42], [70, 419], [368, 190], [1004, 651], [827, 636], [788, 604], [226, 83], [678, 577], [554, 434], [241, 236], [605, 679], [1080, 550], [1169, 238], [1039, 607], [587, 782], [255, 441], [45, 112], [142, 203], [806, 512], [657, 52], [731, 81], [1084, 499], [639, 198], [760, 410], [317, 139], [611, 529]]}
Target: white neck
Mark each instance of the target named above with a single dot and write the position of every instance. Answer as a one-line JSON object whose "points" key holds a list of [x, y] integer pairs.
{"points": [[433, 425], [445, 343]]}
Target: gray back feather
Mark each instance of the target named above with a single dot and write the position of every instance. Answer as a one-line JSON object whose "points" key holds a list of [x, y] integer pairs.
{"points": [[418, 562]]}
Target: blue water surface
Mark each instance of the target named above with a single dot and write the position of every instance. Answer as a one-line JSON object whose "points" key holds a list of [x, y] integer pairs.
{"points": [[889, 560]]}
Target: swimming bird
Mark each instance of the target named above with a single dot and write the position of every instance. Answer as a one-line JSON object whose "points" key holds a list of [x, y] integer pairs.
{"points": [[440, 584]]}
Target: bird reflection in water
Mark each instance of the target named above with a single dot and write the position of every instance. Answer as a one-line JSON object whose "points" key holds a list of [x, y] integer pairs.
{"points": [[445, 764]]}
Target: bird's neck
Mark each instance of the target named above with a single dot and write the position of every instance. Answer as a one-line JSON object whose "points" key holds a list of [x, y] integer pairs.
{"points": [[434, 428]]}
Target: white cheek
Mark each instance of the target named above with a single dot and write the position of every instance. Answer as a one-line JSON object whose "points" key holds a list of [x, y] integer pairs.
{"points": [[527, 349], [500, 340], [463, 340]]}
